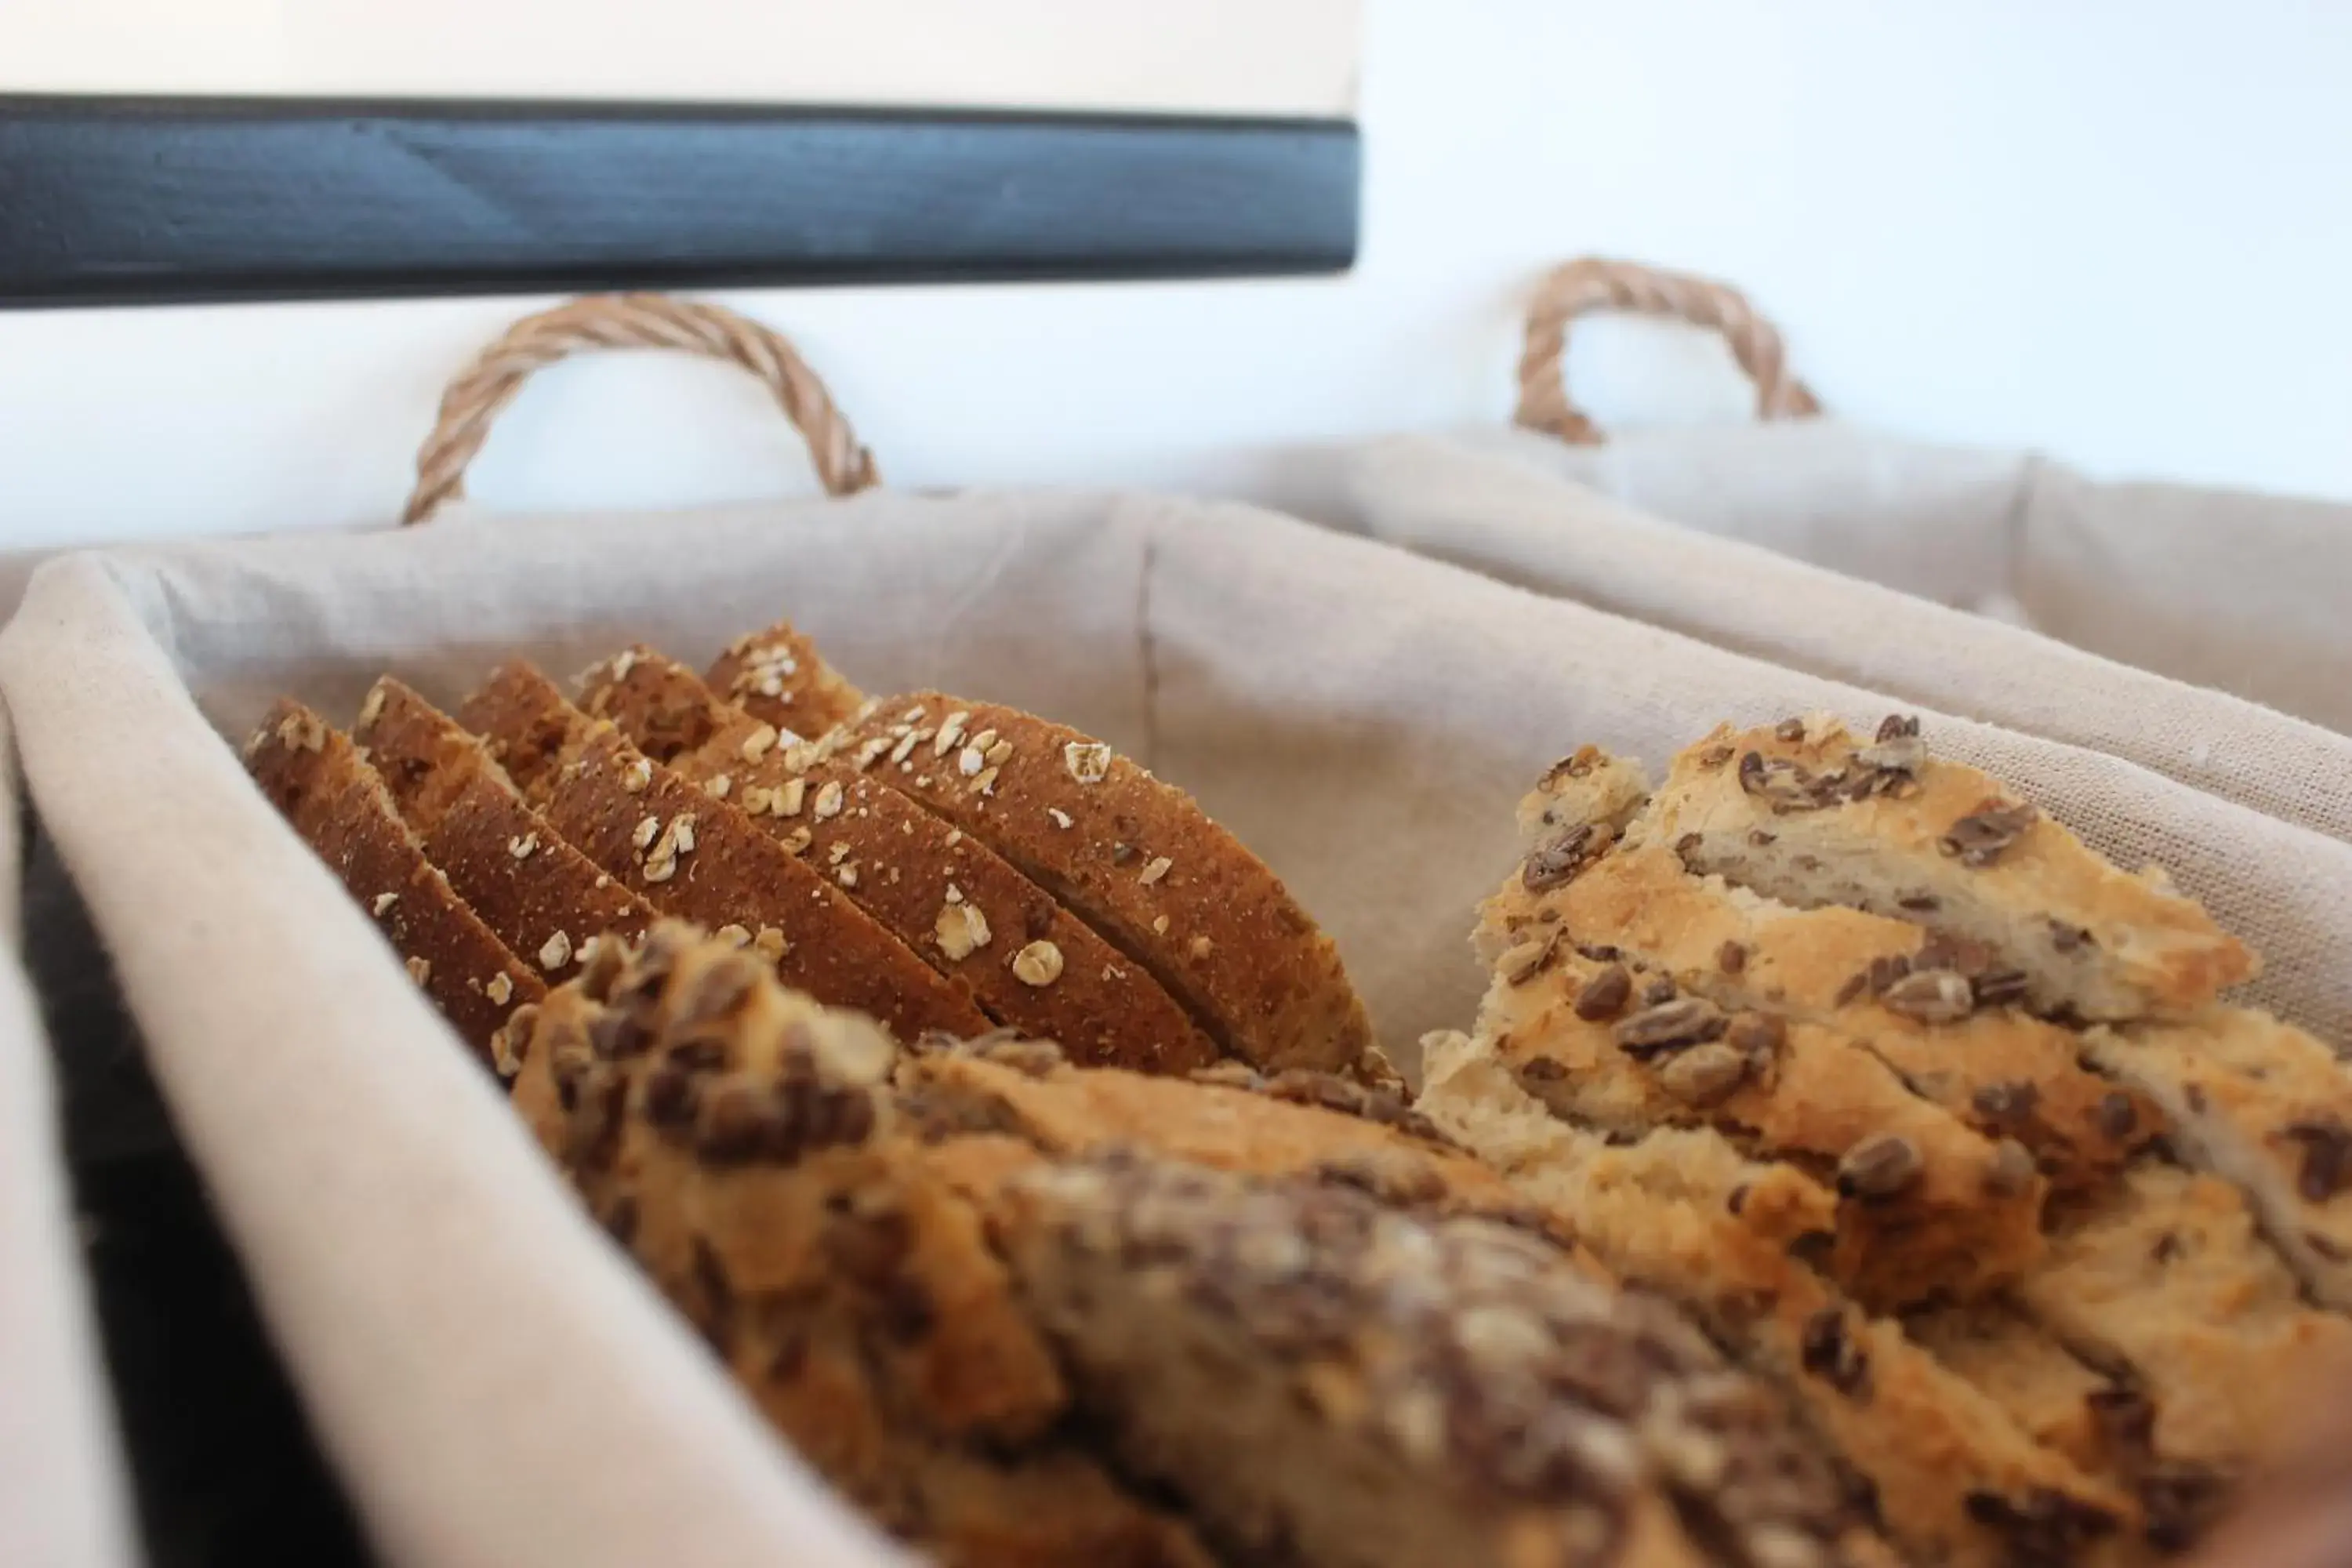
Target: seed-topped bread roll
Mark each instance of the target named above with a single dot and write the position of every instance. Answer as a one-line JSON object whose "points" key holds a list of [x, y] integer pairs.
{"points": [[1013, 1352], [1025, 960], [1804, 813], [547, 900], [2150, 1327], [690, 855], [776, 675], [1134, 857], [329, 794]]}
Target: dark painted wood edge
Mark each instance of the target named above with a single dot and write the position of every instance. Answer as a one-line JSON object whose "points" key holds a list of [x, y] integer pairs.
{"points": [[110, 200]]}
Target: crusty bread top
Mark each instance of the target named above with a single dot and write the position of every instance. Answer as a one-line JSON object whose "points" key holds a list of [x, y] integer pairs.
{"points": [[777, 675], [545, 899], [2265, 1106], [690, 855], [1136, 859], [1804, 813], [1025, 961], [330, 796]]}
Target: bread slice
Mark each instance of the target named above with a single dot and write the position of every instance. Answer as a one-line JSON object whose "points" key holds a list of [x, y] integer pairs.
{"points": [[1332, 1382], [1931, 1206], [1136, 859], [2265, 1106], [689, 855], [545, 899], [319, 781], [1927, 1006], [735, 1138], [1805, 814], [777, 676], [1954, 1476], [1023, 960], [1873, 982]]}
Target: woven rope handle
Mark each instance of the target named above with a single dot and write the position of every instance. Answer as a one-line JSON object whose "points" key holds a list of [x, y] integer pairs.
{"points": [[1592, 284], [629, 322]]}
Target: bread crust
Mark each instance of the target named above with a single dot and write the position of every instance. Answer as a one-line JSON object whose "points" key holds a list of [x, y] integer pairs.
{"points": [[539, 893], [960, 905], [600, 794], [334, 800], [1139, 860], [1805, 813]]}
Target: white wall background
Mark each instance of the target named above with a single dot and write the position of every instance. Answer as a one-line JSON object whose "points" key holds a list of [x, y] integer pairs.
{"points": [[2119, 232]]}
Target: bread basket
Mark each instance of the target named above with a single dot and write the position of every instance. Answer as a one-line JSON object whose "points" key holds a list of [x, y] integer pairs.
{"points": [[490, 1379]]}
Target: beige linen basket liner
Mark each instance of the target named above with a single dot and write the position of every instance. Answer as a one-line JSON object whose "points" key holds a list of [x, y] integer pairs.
{"points": [[491, 1379]]}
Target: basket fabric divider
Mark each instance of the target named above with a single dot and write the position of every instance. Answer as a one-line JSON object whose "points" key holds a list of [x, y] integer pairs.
{"points": [[1518, 522], [491, 1379]]}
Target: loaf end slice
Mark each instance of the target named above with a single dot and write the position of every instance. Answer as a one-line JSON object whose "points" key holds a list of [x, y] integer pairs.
{"points": [[333, 799]]}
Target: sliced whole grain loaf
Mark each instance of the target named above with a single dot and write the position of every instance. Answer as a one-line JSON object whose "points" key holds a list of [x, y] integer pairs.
{"points": [[1954, 1477], [1805, 814], [777, 675], [698, 858], [1025, 960], [2262, 1104], [328, 793], [547, 900], [1136, 859]]}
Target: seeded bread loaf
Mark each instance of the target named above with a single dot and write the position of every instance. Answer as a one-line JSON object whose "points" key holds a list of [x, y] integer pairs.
{"points": [[1804, 814], [1927, 1005], [734, 1137], [545, 899], [1389, 1389], [1305, 1370], [1930, 1206], [1952, 1473], [2265, 1106], [689, 855], [777, 675], [1024, 959], [1135, 858], [326, 792]]}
